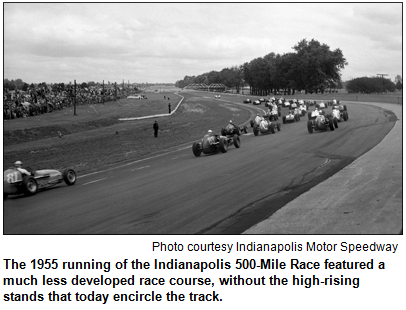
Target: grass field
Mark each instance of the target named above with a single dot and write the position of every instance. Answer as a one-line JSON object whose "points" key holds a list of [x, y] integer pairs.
{"points": [[94, 138]]}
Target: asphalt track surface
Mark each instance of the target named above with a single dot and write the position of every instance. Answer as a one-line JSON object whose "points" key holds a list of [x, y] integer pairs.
{"points": [[178, 193]]}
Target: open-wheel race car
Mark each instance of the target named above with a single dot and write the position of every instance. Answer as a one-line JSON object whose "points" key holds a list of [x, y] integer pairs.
{"points": [[248, 100], [321, 105], [265, 126], [15, 183], [293, 104], [216, 96], [319, 121], [212, 143], [303, 107], [232, 129], [292, 116], [340, 112], [272, 115]]}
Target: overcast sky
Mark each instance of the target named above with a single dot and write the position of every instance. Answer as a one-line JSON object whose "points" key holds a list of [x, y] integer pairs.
{"points": [[163, 42]]}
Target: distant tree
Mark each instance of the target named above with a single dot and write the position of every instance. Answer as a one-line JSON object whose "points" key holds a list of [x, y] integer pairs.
{"points": [[399, 85], [315, 66], [25, 87], [370, 85], [399, 82]]}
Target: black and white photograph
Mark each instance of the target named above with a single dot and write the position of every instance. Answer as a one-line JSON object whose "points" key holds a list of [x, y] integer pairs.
{"points": [[186, 155], [202, 118]]}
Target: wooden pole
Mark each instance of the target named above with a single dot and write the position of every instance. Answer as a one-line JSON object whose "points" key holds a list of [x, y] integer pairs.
{"points": [[103, 92]]}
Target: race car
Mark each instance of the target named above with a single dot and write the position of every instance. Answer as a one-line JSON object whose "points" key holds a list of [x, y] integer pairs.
{"points": [[15, 183], [340, 112], [302, 108], [232, 129], [321, 105], [286, 103], [257, 120], [216, 96], [265, 126], [293, 104], [211, 144], [272, 114], [291, 117], [319, 121], [261, 100], [256, 102], [247, 100]]}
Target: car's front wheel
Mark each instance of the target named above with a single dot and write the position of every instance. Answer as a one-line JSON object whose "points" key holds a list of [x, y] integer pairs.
{"points": [[309, 126], [236, 141], [197, 150], [69, 176], [223, 145]]}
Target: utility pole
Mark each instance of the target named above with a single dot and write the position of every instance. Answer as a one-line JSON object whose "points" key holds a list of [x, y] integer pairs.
{"points": [[74, 100]]}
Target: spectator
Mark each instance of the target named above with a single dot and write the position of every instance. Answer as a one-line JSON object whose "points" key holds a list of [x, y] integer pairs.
{"points": [[169, 107]]}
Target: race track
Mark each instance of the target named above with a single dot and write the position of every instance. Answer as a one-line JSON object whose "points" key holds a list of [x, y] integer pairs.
{"points": [[177, 193]]}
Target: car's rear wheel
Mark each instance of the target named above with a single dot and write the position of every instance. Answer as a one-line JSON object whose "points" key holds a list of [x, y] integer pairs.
{"points": [[236, 141], [272, 126], [331, 124], [278, 126], [309, 126], [284, 119], [345, 115], [223, 145], [69, 176], [335, 121], [29, 186], [197, 149], [255, 130]]}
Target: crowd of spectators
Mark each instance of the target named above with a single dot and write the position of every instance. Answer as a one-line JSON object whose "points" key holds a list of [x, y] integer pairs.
{"points": [[43, 99]]}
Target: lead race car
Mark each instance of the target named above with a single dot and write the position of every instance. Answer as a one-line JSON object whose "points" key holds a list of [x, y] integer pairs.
{"points": [[15, 183], [319, 121], [213, 143]]}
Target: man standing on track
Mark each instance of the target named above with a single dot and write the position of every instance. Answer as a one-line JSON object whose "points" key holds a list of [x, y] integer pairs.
{"points": [[156, 127]]}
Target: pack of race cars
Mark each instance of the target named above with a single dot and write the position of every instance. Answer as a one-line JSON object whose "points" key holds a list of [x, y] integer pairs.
{"points": [[319, 119]]}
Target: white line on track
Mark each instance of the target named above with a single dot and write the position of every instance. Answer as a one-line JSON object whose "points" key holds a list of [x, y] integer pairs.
{"points": [[140, 168], [94, 181]]}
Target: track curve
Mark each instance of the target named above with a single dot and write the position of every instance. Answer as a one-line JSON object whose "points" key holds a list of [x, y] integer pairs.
{"points": [[177, 193]]}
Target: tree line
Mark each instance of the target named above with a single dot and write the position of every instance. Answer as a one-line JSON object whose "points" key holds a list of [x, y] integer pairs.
{"points": [[312, 67], [370, 85]]}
